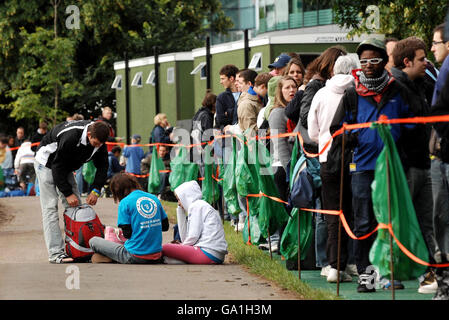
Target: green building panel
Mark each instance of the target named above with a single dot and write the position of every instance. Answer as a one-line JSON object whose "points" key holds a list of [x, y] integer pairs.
{"points": [[266, 56], [218, 60], [185, 90], [316, 48], [167, 93], [120, 106], [142, 106], [199, 83]]}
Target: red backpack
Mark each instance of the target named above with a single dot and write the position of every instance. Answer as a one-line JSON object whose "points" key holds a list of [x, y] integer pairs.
{"points": [[81, 224]]}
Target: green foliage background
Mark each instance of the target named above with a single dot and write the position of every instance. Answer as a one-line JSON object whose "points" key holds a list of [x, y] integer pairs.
{"points": [[78, 63], [398, 18]]}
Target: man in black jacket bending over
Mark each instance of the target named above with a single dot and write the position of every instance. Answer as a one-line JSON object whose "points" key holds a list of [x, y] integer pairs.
{"points": [[62, 151]]}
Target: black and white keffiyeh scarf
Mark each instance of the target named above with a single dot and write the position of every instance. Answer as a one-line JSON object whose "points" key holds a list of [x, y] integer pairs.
{"points": [[374, 84]]}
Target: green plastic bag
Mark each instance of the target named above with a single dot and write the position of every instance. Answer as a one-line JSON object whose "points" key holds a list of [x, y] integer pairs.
{"points": [[182, 170], [247, 177], [2, 179], [89, 171], [210, 190], [272, 214], [154, 177], [228, 183], [403, 216], [253, 235], [289, 239], [247, 182]]}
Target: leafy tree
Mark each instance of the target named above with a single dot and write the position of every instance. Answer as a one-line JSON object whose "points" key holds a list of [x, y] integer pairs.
{"points": [[48, 70], [46, 62], [398, 18]]}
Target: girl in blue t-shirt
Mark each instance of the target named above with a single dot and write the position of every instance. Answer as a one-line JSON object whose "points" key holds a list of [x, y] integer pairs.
{"points": [[142, 219]]}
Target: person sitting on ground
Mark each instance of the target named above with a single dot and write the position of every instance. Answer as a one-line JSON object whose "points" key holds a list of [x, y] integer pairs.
{"points": [[142, 219], [200, 229], [8, 161], [24, 165]]}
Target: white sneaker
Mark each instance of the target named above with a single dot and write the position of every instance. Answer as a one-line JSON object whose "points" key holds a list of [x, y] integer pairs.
{"points": [[266, 246], [239, 227], [332, 276], [428, 283], [428, 288], [325, 270], [351, 269]]}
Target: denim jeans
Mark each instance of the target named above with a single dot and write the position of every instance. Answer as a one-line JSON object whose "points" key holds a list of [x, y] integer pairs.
{"points": [[49, 195], [420, 185], [364, 219], [116, 251], [440, 190], [80, 180]]}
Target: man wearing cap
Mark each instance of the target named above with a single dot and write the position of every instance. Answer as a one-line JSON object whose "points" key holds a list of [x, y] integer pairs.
{"points": [[375, 93], [279, 64]]}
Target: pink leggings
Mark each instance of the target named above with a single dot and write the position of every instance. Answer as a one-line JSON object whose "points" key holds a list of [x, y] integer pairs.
{"points": [[188, 254]]}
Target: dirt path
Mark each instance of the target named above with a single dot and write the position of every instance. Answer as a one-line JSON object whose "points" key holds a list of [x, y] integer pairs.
{"points": [[26, 274]]}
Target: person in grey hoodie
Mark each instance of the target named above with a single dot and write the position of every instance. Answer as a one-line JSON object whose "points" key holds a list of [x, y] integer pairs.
{"points": [[322, 111], [201, 231]]}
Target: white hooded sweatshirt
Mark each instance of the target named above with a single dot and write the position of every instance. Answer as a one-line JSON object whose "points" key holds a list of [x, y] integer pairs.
{"points": [[323, 108], [24, 155], [202, 227]]}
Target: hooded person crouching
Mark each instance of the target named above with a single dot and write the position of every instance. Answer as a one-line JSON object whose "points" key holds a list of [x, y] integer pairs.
{"points": [[201, 230]]}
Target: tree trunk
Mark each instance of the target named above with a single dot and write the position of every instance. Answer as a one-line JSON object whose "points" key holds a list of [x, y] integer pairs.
{"points": [[55, 28]]}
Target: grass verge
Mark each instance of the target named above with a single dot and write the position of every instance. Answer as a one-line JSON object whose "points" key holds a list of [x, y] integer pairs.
{"points": [[259, 263]]}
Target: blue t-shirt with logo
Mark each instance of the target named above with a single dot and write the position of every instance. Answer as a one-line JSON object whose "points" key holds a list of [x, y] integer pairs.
{"points": [[144, 212]]}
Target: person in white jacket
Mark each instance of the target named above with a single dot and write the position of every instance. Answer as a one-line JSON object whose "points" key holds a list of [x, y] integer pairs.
{"points": [[201, 230], [321, 114], [24, 164]]}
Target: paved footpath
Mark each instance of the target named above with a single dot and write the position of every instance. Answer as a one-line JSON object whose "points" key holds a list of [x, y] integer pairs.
{"points": [[26, 274]]}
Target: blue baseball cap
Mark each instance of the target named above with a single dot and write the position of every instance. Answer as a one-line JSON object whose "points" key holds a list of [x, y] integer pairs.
{"points": [[280, 61]]}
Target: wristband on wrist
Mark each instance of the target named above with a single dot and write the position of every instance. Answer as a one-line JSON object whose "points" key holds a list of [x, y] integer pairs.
{"points": [[95, 192]]}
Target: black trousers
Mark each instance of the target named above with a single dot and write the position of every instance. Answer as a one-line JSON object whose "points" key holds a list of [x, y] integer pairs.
{"points": [[330, 195], [280, 180]]}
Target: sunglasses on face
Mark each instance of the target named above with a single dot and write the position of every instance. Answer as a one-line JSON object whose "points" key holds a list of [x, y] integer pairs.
{"points": [[364, 62]]}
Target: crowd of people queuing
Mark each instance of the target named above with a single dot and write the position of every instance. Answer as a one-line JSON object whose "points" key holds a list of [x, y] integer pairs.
{"points": [[393, 78]]}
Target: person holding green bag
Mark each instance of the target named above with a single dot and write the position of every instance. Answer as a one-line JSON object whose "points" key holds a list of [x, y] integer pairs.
{"points": [[376, 93], [152, 165]]}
